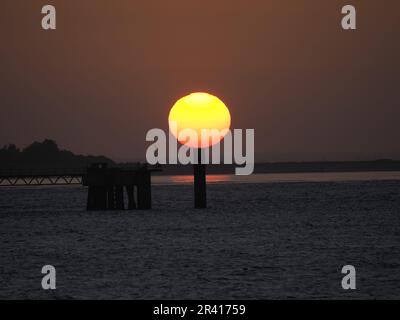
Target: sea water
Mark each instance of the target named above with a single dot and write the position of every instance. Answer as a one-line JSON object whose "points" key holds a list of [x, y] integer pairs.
{"points": [[264, 238]]}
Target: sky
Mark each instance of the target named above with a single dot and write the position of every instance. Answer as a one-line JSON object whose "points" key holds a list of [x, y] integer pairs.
{"points": [[112, 70]]}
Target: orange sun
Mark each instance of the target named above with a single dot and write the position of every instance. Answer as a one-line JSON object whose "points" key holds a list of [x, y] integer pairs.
{"points": [[199, 111]]}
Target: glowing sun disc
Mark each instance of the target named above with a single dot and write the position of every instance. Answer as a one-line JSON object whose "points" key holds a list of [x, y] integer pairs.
{"points": [[198, 111]]}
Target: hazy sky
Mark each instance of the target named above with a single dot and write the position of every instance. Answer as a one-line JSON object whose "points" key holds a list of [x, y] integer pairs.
{"points": [[113, 69]]}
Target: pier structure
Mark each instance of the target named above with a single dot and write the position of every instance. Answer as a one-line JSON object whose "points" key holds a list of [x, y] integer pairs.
{"points": [[107, 187]]}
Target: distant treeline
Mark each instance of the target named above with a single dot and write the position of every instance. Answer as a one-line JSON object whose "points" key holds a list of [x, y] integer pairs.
{"points": [[45, 154]]}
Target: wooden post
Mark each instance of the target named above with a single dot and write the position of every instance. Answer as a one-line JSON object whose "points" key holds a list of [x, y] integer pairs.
{"points": [[144, 190], [91, 202], [102, 198], [110, 198], [200, 193], [130, 190], [119, 197], [97, 198]]}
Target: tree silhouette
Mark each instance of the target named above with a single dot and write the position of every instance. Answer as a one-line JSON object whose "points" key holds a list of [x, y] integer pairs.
{"points": [[45, 154]]}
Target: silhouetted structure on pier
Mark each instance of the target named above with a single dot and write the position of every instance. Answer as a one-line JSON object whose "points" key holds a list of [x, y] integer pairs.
{"points": [[106, 187]]}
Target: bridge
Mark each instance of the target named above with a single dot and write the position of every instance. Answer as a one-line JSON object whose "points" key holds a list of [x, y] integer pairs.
{"points": [[41, 177]]}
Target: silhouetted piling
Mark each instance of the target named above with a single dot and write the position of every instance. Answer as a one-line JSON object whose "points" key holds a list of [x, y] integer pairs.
{"points": [[144, 190], [119, 197], [200, 193], [110, 198], [97, 198], [130, 190]]}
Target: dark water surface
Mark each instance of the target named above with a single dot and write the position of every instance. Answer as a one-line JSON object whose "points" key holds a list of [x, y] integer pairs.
{"points": [[257, 240]]}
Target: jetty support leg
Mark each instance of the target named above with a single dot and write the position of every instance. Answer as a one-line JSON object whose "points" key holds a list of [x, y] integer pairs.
{"points": [[144, 191], [97, 198], [200, 192], [119, 197], [130, 190]]}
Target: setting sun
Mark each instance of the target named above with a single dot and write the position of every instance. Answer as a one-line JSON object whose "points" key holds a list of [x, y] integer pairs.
{"points": [[199, 111]]}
